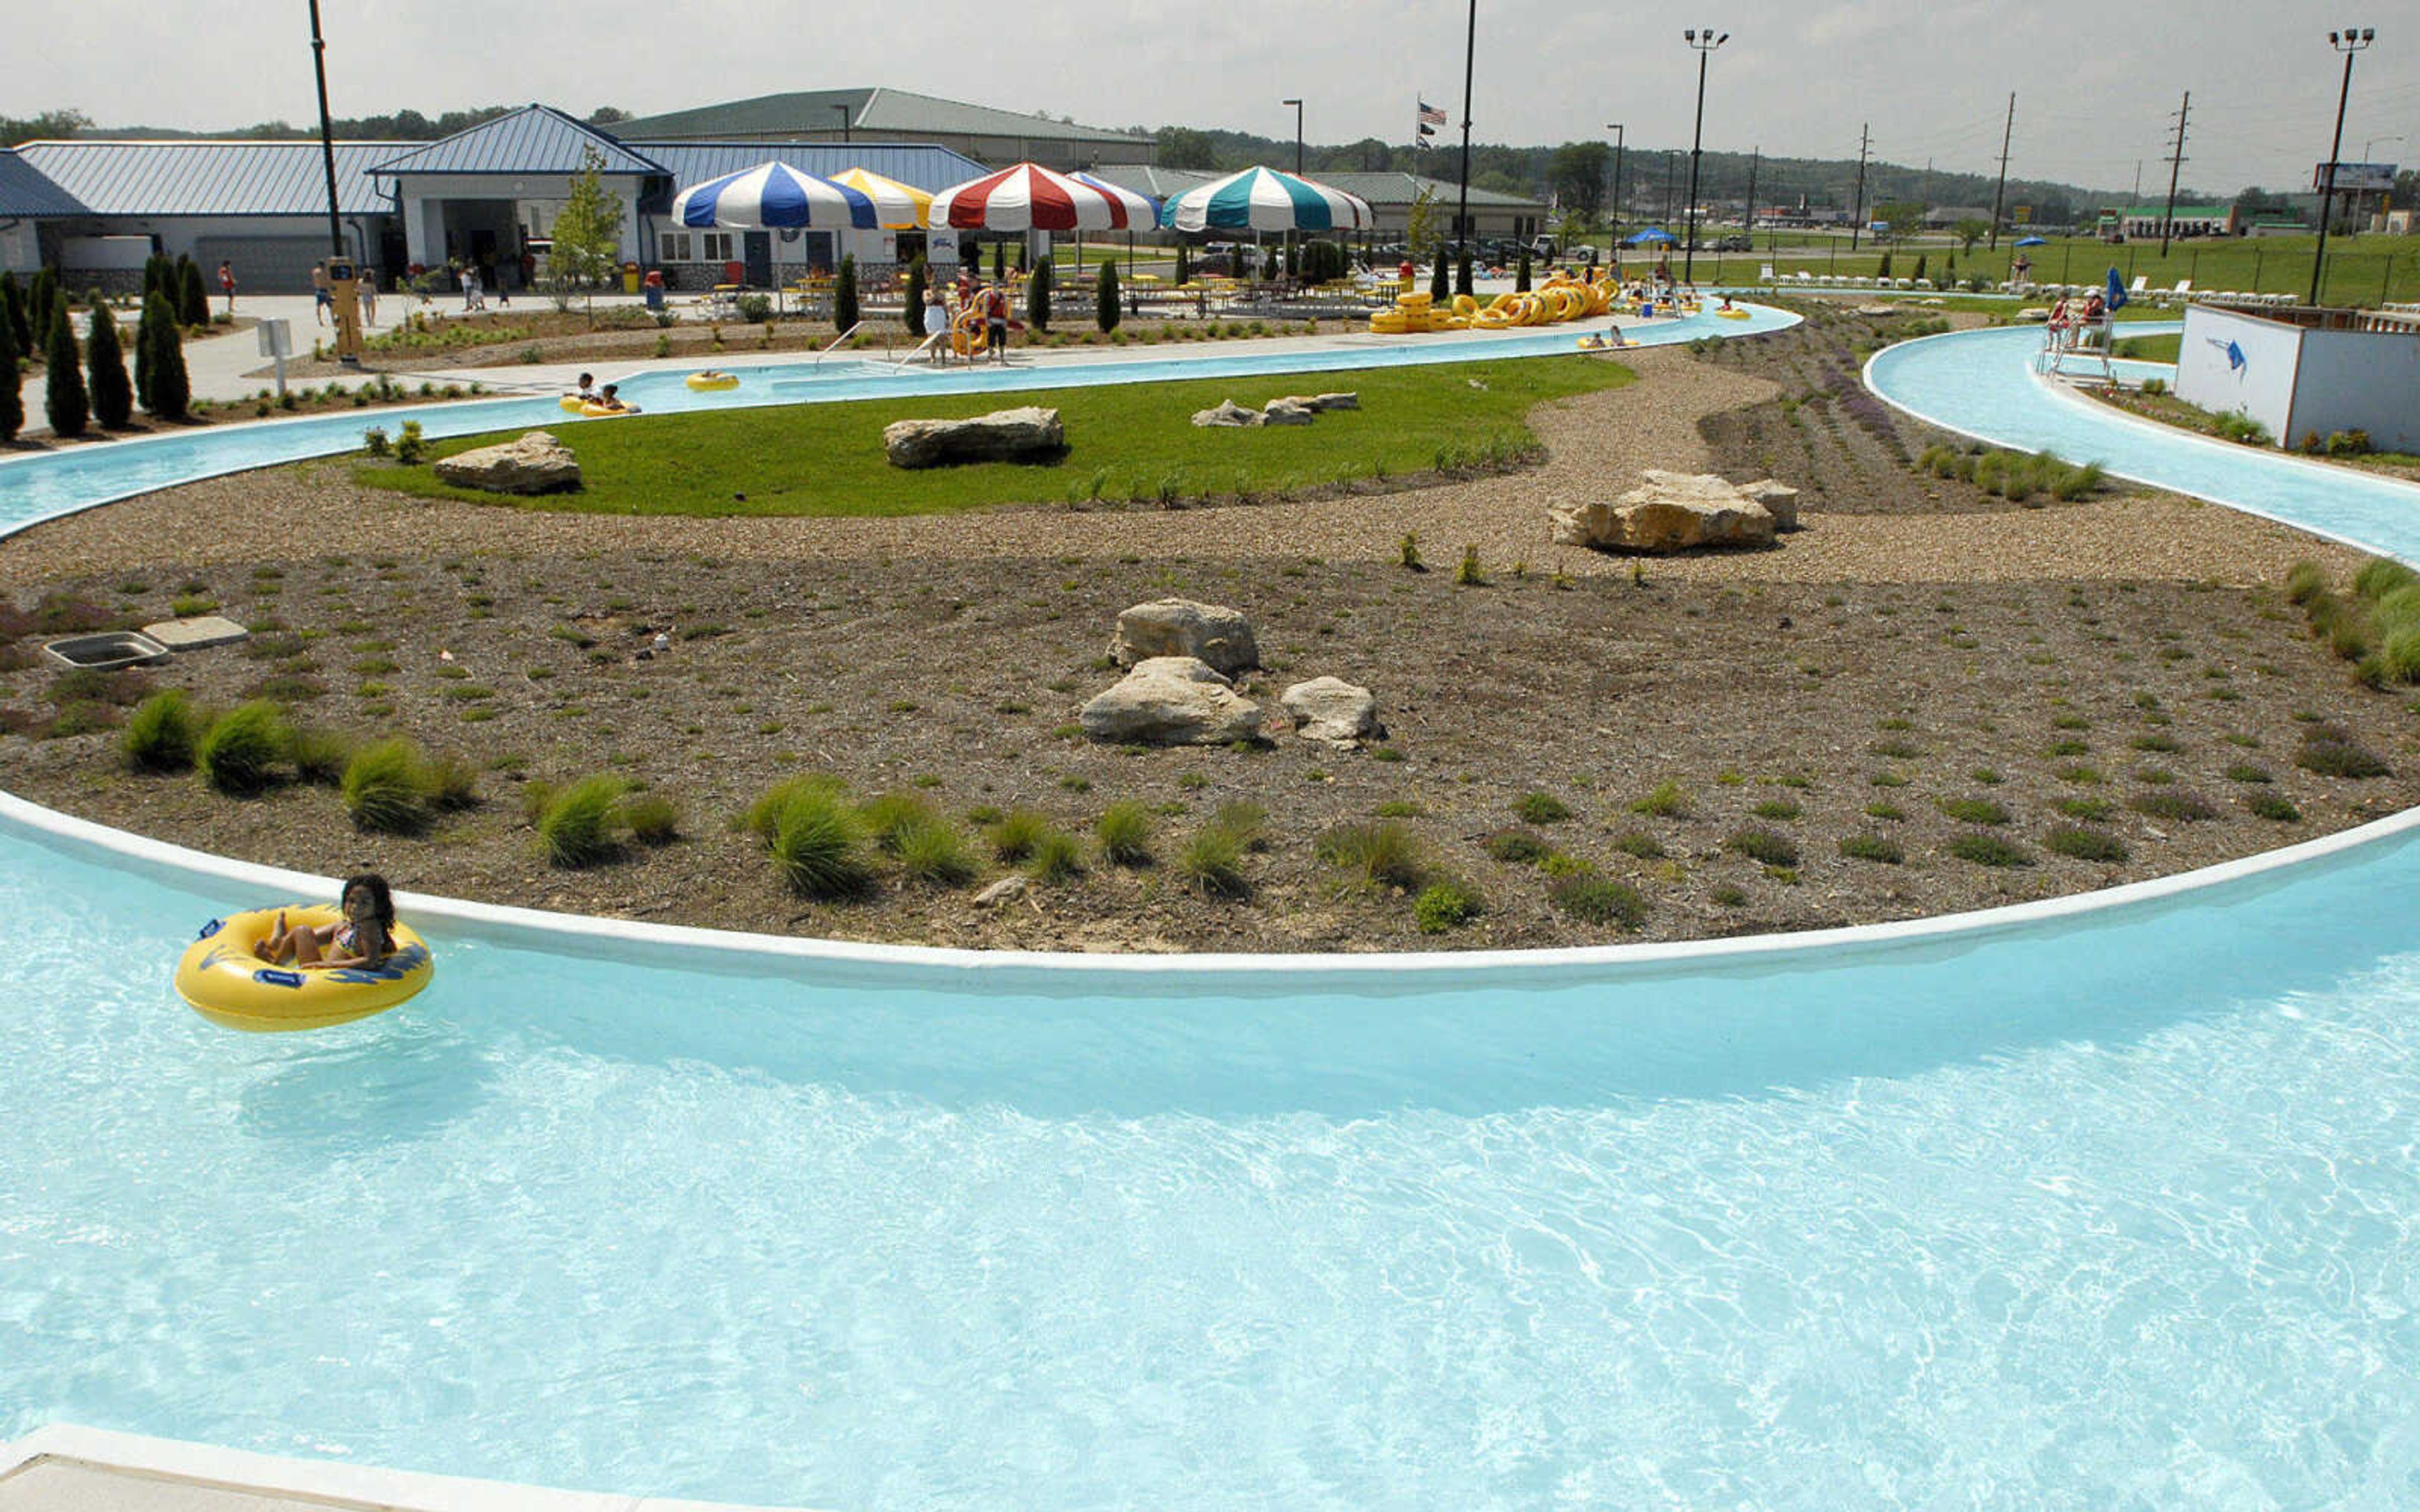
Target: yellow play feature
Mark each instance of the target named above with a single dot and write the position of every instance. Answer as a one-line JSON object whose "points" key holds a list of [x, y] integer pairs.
{"points": [[1559, 299]]}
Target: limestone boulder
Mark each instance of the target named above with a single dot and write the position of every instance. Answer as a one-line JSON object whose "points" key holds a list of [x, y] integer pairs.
{"points": [[1210, 633], [1779, 499], [1332, 710], [1172, 701], [1671, 512], [1228, 413], [537, 463], [1028, 434], [1318, 402], [1287, 412]]}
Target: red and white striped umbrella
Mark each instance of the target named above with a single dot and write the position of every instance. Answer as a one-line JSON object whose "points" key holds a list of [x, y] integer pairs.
{"points": [[1031, 197]]}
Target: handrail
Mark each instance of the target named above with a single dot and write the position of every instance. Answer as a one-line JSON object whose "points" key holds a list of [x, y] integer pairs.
{"points": [[818, 362]]}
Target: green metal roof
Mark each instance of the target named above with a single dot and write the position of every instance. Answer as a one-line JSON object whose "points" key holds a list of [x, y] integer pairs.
{"points": [[537, 139], [187, 178]]}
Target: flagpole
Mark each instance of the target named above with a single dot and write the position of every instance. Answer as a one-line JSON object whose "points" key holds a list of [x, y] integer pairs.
{"points": [[1461, 215]]}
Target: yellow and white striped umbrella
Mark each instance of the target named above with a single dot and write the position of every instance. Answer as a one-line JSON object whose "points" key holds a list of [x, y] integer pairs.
{"points": [[897, 206]]}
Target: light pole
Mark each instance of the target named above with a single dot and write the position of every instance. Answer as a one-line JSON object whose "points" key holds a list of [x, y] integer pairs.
{"points": [[1298, 173], [1670, 153], [845, 114], [1705, 43], [2366, 147], [1615, 127], [2347, 41]]}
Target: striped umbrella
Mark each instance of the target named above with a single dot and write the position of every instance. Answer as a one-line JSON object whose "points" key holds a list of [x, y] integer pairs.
{"points": [[1264, 199], [897, 206], [1031, 197], [1142, 209], [771, 195]]}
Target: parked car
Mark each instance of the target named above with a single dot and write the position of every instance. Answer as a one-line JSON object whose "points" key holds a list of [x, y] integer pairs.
{"points": [[1736, 243]]}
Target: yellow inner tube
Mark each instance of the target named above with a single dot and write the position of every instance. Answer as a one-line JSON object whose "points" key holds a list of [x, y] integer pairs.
{"points": [[598, 411], [966, 332], [225, 982], [571, 404], [720, 381]]}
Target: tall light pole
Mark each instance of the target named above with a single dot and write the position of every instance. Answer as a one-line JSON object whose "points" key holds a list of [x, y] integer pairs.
{"points": [[2347, 41], [2366, 147], [327, 137], [1670, 153], [1705, 43], [1615, 127], [1462, 211], [1290, 263]]}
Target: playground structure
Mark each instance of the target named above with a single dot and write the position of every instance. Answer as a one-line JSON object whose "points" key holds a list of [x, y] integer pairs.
{"points": [[1557, 300]]}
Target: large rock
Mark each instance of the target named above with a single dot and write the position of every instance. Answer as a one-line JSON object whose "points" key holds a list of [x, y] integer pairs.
{"points": [[1322, 401], [1172, 701], [1332, 710], [1181, 627], [1287, 412], [1022, 435], [1779, 499], [537, 463], [1229, 414], [1673, 512]]}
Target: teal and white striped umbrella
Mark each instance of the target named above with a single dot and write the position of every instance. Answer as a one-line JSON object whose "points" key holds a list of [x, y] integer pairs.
{"points": [[1264, 199]]}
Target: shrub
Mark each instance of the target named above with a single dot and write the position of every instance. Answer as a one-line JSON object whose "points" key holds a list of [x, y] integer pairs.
{"points": [[1593, 899], [2084, 844], [1777, 808], [1125, 831], [321, 755], [1974, 810], [1468, 573], [1666, 802], [1381, 853], [651, 818], [1446, 904], [2377, 577], [113, 395], [1517, 847], [817, 847], [2332, 752], [374, 444], [1542, 808], [1106, 310], [1990, 850], [410, 446], [1872, 848], [1769, 846], [240, 751], [65, 399], [160, 360], [2178, 808], [2274, 805], [1638, 843], [160, 736], [385, 790], [2304, 582], [1211, 862]]}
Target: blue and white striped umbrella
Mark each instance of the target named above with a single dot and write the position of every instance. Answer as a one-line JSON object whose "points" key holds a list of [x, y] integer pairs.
{"points": [[1264, 199], [772, 194]]}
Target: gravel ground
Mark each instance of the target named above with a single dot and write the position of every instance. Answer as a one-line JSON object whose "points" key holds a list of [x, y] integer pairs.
{"points": [[1917, 645]]}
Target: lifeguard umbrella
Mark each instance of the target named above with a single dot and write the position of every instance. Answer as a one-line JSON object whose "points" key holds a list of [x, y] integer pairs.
{"points": [[1651, 234], [1264, 199], [771, 196], [1029, 197], [897, 206]]}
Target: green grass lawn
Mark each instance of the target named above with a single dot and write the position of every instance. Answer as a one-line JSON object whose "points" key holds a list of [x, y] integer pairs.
{"points": [[1127, 442], [2149, 348]]}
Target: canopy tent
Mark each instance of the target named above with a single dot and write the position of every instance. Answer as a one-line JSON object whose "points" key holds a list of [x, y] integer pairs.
{"points": [[772, 196], [1653, 233], [897, 206], [1264, 199], [2033, 242], [1029, 197]]}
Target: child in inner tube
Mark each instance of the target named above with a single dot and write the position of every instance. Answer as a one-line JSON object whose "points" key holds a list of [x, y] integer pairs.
{"points": [[607, 399], [365, 938]]}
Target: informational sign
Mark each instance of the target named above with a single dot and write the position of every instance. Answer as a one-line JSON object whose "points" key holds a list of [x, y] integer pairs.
{"points": [[2025, 213], [2356, 178]]}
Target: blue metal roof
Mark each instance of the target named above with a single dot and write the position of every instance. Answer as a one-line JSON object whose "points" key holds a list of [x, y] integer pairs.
{"points": [[694, 163], [183, 177], [537, 139], [25, 193]]}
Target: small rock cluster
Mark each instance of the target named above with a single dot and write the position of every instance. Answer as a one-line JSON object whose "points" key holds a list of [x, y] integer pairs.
{"points": [[1184, 658], [537, 463], [1680, 512], [1028, 433], [1294, 409]]}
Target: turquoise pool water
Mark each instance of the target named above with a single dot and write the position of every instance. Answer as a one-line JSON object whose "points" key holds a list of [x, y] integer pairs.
{"points": [[2120, 1212]]}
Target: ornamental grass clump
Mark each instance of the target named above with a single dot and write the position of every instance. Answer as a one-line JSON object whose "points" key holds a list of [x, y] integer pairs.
{"points": [[1016, 835], [239, 752], [1125, 832], [2332, 752], [1383, 854], [1767, 846], [1594, 900], [161, 733], [818, 846], [577, 827], [2081, 844], [936, 854], [651, 818], [385, 789]]}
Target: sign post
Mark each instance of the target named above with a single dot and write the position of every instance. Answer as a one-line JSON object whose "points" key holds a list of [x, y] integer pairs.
{"points": [[276, 341]]}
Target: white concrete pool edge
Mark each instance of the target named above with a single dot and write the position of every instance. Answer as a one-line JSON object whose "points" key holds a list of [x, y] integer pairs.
{"points": [[98, 1469], [509, 924]]}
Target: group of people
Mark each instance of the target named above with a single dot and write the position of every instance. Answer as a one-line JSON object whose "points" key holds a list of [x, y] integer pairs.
{"points": [[323, 293], [2077, 322], [991, 299], [609, 397]]}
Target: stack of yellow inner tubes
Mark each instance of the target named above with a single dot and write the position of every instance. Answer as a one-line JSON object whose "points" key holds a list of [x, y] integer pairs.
{"points": [[1557, 300]]}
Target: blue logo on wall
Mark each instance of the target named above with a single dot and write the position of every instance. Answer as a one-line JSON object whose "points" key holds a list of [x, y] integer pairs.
{"points": [[2237, 362]]}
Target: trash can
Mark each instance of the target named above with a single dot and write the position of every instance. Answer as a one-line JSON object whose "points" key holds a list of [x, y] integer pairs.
{"points": [[629, 278], [654, 288]]}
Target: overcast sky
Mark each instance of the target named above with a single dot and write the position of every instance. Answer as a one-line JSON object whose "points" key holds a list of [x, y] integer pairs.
{"points": [[2096, 81]]}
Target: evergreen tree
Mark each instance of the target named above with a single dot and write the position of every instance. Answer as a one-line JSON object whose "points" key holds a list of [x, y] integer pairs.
{"points": [[113, 398], [1037, 297], [1106, 313], [918, 277], [1883, 271], [38, 309], [1183, 265], [156, 270], [1438, 293], [998, 261], [1919, 267], [12, 297], [845, 308], [143, 340], [1521, 273], [192, 303], [64, 398], [171, 390], [1462, 272], [12, 403]]}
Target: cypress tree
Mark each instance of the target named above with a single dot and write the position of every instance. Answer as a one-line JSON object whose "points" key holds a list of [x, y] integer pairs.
{"points": [[998, 261], [143, 343], [1106, 313], [192, 303], [64, 398], [171, 390], [1437, 291], [12, 297], [113, 398], [1521, 273], [1462, 272], [917, 278], [1037, 297], [38, 301], [1183, 265], [155, 273], [12, 403], [844, 309]]}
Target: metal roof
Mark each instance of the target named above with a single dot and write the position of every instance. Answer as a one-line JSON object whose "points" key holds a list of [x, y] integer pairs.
{"points": [[694, 163], [536, 139], [25, 193], [891, 113], [186, 177]]}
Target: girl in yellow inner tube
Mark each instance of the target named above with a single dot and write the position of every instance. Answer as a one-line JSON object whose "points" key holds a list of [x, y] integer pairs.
{"points": [[365, 938]]}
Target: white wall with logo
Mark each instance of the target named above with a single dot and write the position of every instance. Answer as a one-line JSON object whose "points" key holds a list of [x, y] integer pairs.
{"points": [[2360, 381], [2230, 361]]}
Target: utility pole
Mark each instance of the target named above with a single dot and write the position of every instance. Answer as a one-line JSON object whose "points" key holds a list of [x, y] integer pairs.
{"points": [[1461, 214], [1999, 193], [2350, 42], [2176, 161], [1747, 222], [1615, 127], [1857, 210]]}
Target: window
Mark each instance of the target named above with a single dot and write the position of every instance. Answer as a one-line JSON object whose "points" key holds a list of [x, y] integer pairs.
{"points": [[698, 246], [676, 247], [717, 246]]}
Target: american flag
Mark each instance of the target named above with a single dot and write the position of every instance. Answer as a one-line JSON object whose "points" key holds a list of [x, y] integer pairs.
{"points": [[1430, 114]]}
